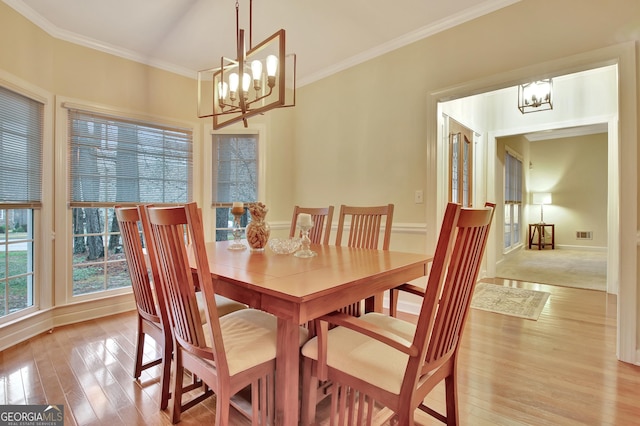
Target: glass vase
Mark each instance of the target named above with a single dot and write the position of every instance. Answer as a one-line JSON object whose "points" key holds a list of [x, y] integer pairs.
{"points": [[257, 233]]}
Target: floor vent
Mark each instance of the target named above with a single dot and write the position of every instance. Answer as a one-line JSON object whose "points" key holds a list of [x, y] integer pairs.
{"points": [[584, 235]]}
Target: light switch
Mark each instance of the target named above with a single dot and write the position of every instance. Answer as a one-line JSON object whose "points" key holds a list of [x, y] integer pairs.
{"points": [[418, 197]]}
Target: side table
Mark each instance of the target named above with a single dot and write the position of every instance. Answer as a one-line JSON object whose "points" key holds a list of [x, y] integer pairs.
{"points": [[539, 228]]}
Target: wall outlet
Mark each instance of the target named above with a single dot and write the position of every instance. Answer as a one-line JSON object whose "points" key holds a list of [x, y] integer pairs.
{"points": [[418, 197]]}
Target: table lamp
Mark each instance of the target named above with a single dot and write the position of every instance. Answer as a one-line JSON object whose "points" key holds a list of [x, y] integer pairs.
{"points": [[541, 198]]}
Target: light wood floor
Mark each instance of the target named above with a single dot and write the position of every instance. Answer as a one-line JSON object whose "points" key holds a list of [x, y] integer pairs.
{"points": [[559, 370]]}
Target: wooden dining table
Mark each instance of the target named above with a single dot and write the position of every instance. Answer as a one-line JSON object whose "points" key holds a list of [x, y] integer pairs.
{"points": [[297, 290]]}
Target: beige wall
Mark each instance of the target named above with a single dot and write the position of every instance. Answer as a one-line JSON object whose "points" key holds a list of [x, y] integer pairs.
{"points": [[574, 170]]}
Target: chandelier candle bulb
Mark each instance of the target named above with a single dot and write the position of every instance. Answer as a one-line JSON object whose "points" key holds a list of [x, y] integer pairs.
{"points": [[304, 219], [237, 208]]}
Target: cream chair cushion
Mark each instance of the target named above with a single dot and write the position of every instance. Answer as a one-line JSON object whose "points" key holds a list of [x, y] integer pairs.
{"points": [[366, 358], [249, 337]]}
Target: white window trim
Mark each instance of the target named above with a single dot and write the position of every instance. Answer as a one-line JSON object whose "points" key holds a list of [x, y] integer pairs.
{"points": [[42, 219]]}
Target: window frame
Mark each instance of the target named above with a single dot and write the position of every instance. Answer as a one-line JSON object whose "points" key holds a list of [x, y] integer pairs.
{"points": [[209, 214], [42, 217], [64, 209]]}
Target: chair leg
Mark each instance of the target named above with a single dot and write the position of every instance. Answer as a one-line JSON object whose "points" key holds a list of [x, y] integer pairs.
{"points": [[452, 399], [393, 302], [139, 351], [166, 374], [309, 393], [223, 407], [176, 411]]}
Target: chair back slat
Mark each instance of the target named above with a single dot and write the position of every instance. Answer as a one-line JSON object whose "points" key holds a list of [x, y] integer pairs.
{"points": [[447, 305], [167, 228], [321, 217], [365, 226], [128, 220]]}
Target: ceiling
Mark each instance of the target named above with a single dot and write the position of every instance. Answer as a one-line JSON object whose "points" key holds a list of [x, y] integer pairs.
{"points": [[185, 36]]}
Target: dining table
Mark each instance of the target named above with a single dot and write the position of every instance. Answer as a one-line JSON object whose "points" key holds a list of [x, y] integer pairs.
{"points": [[298, 290]]}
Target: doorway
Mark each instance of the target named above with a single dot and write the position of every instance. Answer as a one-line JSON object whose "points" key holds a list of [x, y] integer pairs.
{"points": [[624, 194]]}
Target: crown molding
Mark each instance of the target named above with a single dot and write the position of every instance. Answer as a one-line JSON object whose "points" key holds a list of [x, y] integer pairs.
{"points": [[419, 34], [71, 37]]}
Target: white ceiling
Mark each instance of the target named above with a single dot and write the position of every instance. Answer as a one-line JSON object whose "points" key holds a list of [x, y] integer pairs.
{"points": [[185, 36]]}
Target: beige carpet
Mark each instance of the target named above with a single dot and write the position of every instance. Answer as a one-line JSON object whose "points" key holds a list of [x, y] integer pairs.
{"points": [[564, 267], [516, 302]]}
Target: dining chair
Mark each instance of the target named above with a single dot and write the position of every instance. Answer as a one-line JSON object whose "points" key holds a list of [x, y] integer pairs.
{"points": [[153, 319], [365, 225], [321, 217], [378, 360], [228, 353]]}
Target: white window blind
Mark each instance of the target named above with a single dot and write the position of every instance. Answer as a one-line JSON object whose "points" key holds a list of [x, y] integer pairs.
{"points": [[116, 160], [21, 133], [235, 168]]}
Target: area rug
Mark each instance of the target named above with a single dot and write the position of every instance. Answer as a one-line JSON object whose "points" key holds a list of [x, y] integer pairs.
{"points": [[565, 267], [516, 302]]}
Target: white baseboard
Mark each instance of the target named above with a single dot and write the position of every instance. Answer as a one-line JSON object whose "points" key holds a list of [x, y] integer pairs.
{"points": [[47, 320]]}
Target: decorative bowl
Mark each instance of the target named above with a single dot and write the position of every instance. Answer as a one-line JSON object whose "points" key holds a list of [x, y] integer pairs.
{"points": [[284, 246]]}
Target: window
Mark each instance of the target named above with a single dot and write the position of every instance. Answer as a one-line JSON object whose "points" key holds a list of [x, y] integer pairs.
{"points": [[512, 200], [21, 142], [460, 164], [235, 177], [113, 161]]}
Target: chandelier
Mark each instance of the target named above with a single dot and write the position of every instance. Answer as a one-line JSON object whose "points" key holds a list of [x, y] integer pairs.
{"points": [[261, 78], [535, 96]]}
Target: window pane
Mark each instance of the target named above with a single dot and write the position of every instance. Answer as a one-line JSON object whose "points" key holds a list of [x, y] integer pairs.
{"points": [[517, 208], [16, 260], [455, 161], [98, 260], [513, 200], [507, 226], [235, 166]]}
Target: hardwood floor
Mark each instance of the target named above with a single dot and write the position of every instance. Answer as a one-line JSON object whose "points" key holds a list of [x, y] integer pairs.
{"points": [[559, 370]]}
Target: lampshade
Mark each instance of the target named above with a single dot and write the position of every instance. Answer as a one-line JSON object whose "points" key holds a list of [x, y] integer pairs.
{"points": [[541, 198]]}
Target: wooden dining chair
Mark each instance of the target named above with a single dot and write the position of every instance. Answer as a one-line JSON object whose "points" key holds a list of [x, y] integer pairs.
{"points": [[228, 353], [153, 319], [322, 218], [381, 360], [365, 226]]}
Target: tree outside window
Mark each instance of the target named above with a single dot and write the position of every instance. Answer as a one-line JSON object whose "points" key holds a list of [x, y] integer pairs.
{"points": [[235, 178]]}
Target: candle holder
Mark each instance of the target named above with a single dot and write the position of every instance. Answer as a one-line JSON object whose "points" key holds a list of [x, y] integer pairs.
{"points": [[305, 251], [237, 229]]}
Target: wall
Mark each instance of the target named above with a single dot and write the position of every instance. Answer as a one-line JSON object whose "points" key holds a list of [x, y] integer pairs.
{"points": [[574, 170]]}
